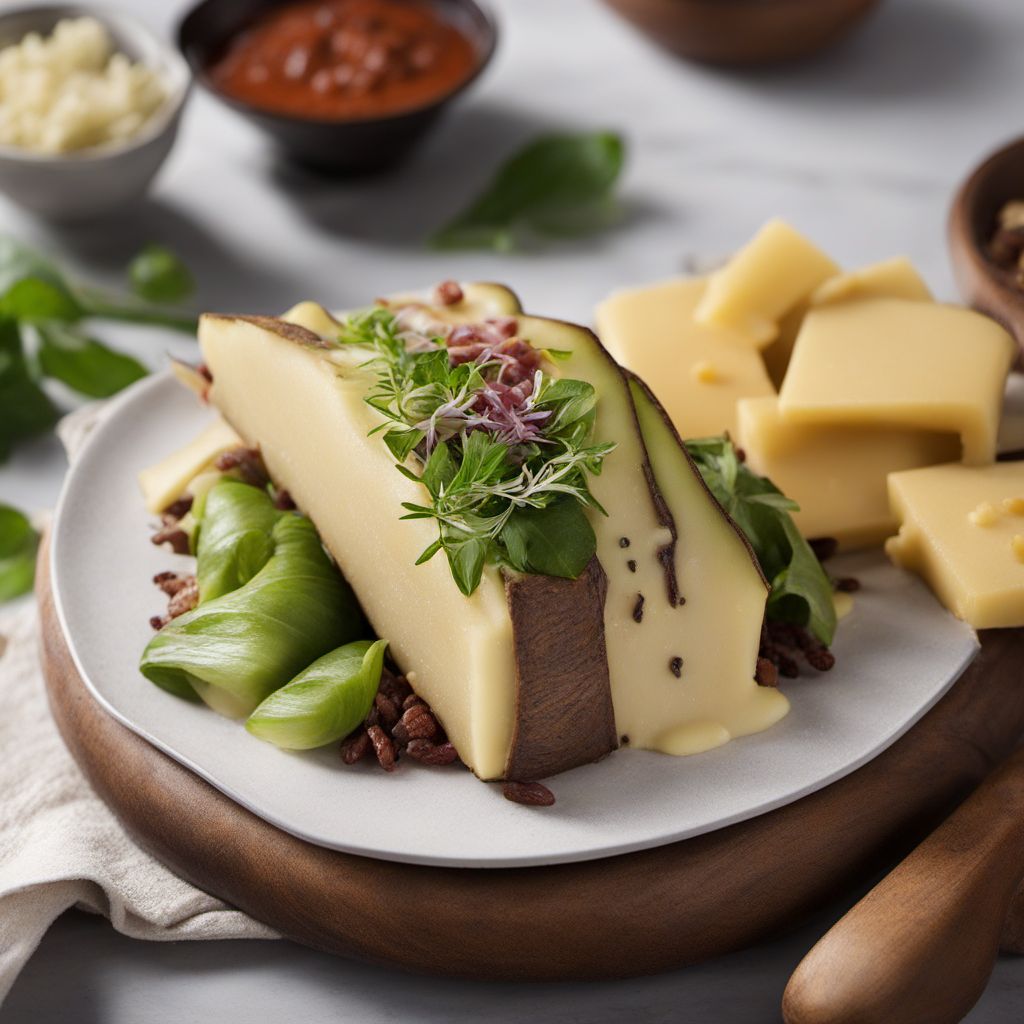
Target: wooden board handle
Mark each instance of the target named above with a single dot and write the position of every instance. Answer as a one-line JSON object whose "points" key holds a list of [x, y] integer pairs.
{"points": [[919, 948]]}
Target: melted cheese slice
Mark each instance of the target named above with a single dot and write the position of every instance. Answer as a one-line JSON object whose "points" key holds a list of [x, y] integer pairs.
{"points": [[168, 480], [837, 474], [896, 363], [698, 372], [962, 530], [766, 279]]}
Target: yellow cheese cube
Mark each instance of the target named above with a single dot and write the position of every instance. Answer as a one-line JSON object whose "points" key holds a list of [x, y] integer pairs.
{"points": [[894, 279], [767, 278], [836, 474], [167, 481], [697, 372], [970, 558], [891, 362]]}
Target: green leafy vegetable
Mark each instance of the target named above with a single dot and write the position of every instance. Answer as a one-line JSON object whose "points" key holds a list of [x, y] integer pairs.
{"points": [[556, 185], [236, 537], [494, 464], [84, 364], [237, 649], [324, 703], [25, 409], [157, 275], [801, 591], [41, 313], [18, 543]]}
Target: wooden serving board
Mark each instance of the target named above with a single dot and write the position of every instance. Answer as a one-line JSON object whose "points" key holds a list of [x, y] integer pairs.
{"points": [[633, 914]]}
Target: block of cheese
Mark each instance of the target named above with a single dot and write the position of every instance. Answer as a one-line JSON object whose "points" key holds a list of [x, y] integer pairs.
{"points": [[167, 480], [515, 670], [962, 530], [767, 278], [896, 278], [892, 362], [698, 372], [837, 474]]}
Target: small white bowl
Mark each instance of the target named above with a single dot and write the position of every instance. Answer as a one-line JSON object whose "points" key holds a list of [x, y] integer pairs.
{"points": [[96, 181]]}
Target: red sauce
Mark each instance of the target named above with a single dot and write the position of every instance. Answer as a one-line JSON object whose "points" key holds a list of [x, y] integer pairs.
{"points": [[345, 59]]}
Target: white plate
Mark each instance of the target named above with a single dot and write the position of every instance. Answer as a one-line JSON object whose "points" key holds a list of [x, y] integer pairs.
{"points": [[897, 653]]}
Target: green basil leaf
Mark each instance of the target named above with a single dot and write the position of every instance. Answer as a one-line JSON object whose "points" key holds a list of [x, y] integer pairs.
{"points": [[801, 590], [157, 275], [18, 544], [31, 286], [466, 557], [25, 409], [83, 363], [401, 441], [325, 702], [556, 184], [556, 540]]}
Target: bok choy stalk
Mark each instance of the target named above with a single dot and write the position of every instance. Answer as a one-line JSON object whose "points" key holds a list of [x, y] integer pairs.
{"points": [[324, 703], [236, 649], [235, 537]]}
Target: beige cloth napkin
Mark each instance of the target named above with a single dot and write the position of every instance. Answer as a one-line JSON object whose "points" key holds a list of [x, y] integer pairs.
{"points": [[60, 846]]}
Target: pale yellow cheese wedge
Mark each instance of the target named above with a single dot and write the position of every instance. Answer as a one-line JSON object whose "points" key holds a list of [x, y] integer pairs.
{"points": [[168, 480], [892, 362], [963, 532], [767, 278], [896, 278], [837, 474], [697, 372]]}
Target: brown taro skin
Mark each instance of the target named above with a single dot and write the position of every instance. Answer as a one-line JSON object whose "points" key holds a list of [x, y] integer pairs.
{"points": [[336, 60]]}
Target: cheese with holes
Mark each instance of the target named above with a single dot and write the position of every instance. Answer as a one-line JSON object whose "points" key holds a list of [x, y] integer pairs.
{"points": [[168, 480], [837, 474], [697, 372], [962, 530], [766, 279], [897, 363], [303, 404]]}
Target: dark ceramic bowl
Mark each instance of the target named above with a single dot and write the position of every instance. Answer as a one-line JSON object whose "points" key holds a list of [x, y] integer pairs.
{"points": [[349, 146], [744, 32]]}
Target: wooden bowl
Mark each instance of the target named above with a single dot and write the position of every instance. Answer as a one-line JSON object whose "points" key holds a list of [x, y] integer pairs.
{"points": [[984, 285], [744, 32]]}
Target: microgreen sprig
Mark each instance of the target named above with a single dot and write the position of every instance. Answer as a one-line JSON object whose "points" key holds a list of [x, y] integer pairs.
{"points": [[508, 483]]}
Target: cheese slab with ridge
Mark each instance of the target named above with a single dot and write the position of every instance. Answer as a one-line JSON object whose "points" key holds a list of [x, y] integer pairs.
{"points": [[776, 270], [962, 531], [899, 363], [697, 372], [837, 474], [895, 278]]}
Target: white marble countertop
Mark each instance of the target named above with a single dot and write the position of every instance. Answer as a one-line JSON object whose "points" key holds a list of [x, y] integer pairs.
{"points": [[860, 149]]}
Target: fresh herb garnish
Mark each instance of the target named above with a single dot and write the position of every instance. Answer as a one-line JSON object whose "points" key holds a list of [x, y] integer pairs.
{"points": [[157, 275], [41, 335], [801, 592], [18, 543], [557, 185], [505, 466]]}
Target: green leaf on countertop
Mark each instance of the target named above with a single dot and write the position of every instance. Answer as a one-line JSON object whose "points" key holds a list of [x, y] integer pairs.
{"points": [[18, 543], [556, 185], [325, 702], [32, 288], [157, 275], [84, 364], [801, 591], [25, 409]]}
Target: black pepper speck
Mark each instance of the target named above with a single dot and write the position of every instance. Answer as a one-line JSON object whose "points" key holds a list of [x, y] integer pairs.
{"points": [[631, 565], [623, 542], [638, 608], [676, 667]]}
